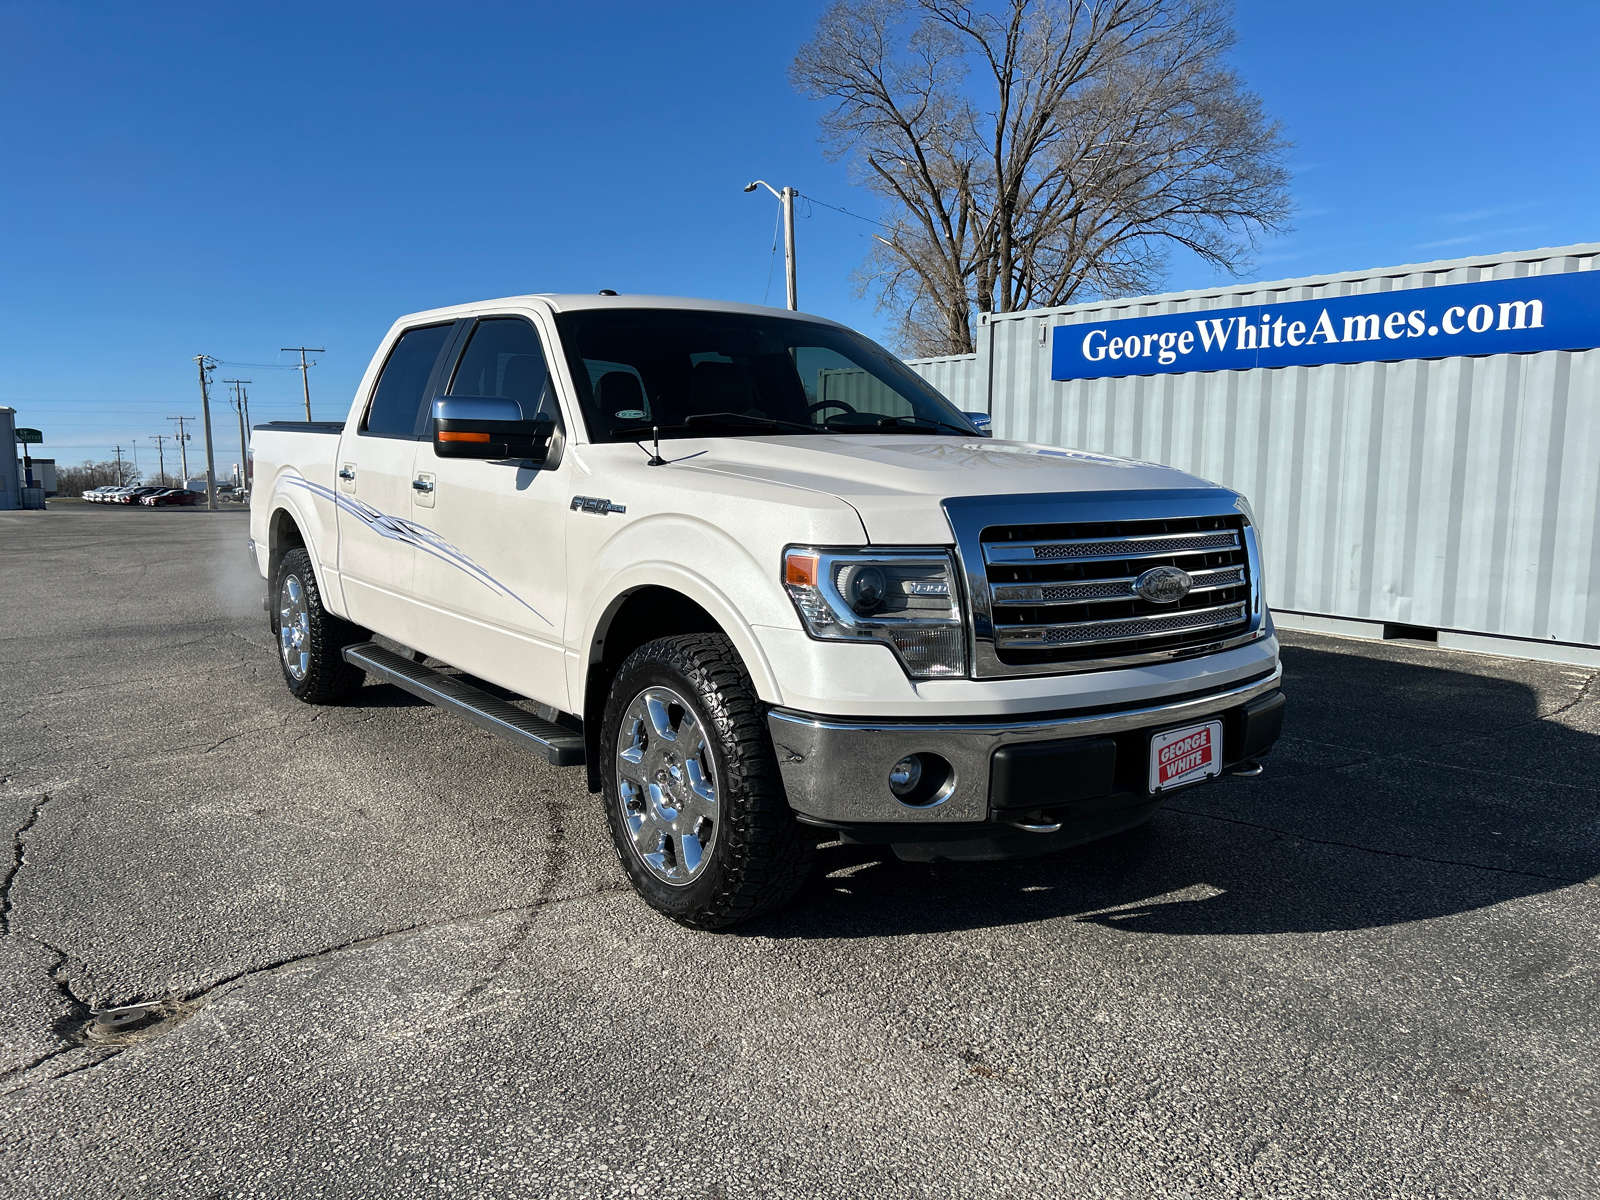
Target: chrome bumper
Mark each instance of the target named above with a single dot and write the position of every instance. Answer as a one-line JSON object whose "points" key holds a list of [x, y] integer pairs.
{"points": [[837, 772]]}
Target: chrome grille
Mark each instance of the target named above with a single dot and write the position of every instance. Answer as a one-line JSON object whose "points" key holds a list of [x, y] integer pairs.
{"points": [[1119, 631], [1063, 593], [1111, 548]]}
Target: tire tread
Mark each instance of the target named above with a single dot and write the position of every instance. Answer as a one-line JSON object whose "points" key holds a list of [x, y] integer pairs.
{"points": [[766, 855], [329, 678]]}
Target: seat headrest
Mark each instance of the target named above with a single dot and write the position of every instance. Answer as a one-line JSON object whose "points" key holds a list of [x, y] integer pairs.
{"points": [[618, 391], [723, 387]]}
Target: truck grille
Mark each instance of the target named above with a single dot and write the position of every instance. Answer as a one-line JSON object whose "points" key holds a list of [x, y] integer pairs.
{"points": [[1063, 593]]}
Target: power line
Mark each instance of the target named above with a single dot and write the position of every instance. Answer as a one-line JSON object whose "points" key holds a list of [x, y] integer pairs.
{"points": [[869, 220], [772, 261]]}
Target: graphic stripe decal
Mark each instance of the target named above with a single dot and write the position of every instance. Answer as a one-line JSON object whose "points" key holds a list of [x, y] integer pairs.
{"points": [[400, 530]]}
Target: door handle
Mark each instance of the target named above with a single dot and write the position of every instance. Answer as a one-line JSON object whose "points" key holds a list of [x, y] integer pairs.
{"points": [[422, 485], [346, 473]]}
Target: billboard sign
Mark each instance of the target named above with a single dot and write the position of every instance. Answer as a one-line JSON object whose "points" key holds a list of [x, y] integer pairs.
{"points": [[1502, 316], [29, 435]]}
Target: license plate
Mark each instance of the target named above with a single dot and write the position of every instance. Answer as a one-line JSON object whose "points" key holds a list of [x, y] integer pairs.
{"points": [[1186, 755]]}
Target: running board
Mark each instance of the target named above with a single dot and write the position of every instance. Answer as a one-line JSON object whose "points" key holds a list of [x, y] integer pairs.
{"points": [[558, 744]]}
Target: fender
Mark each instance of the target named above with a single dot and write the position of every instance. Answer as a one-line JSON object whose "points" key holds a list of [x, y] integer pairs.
{"points": [[316, 519], [692, 585]]}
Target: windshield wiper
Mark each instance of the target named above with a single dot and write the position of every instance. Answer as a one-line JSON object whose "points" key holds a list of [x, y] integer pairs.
{"points": [[735, 418], [708, 421], [922, 422]]}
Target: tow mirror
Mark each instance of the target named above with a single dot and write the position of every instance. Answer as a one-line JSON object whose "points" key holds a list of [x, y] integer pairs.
{"points": [[488, 427], [981, 422]]}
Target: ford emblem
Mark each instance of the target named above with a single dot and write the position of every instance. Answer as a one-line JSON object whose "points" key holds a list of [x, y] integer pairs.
{"points": [[1163, 585]]}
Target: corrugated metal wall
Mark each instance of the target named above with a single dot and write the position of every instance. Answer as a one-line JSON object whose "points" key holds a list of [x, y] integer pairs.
{"points": [[956, 376], [861, 391], [1457, 493]]}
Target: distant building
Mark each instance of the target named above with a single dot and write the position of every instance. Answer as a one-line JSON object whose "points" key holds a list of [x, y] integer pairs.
{"points": [[44, 474], [10, 461]]}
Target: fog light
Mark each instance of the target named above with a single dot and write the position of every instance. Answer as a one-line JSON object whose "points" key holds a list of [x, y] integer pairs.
{"points": [[905, 775], [922, 780]]}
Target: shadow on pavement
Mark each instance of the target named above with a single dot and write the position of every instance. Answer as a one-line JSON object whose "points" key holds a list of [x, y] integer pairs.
{"points": [[1399, 793]]}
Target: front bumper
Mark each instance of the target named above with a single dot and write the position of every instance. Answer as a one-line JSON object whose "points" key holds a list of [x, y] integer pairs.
{"points": [[1013, 787]]}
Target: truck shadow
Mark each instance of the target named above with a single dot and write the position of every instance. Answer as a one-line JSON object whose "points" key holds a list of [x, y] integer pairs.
{"points": [[1399, 793]]}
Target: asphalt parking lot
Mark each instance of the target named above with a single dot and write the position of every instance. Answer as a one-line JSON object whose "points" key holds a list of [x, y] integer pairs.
{"points": [[399, 958]]}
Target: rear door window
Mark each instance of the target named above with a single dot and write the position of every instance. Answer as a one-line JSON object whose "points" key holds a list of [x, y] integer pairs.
{"points": [[402, 387]]}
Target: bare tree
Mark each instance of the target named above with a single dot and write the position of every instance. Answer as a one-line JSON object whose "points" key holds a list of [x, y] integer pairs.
{"points": [[1035, 152], [74, 481]]}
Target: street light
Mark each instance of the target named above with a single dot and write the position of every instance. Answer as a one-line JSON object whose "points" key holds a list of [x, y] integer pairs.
{"points": [[786, 198]]}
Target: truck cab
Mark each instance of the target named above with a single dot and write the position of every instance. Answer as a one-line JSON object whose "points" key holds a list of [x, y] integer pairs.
{"points": [[765, 585]]}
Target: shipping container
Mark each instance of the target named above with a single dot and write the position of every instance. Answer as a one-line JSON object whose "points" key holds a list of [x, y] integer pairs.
{"points": [[1457, 492]]}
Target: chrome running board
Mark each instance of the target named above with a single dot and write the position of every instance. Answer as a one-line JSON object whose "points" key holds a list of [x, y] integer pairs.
{"points": [[558, 744]]}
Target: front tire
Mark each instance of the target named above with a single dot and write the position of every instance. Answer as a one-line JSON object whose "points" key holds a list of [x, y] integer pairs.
{"points": [[693, 796], [311, 640]]}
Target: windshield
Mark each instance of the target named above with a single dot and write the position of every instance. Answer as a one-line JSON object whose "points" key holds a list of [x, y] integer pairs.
{"points": [[711, 374]]}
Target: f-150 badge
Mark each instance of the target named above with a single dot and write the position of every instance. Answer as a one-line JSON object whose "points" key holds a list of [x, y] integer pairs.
{"points": [[592, 504]]}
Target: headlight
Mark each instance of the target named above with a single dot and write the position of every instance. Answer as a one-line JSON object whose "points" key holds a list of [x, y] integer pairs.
{"points": [[905, 598]]}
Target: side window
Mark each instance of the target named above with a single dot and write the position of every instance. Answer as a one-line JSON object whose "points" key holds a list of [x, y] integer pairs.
{"points": [[504, 359], [399, 394]]}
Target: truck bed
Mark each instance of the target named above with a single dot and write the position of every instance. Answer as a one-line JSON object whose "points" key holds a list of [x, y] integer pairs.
{"points": [[295, 466]]}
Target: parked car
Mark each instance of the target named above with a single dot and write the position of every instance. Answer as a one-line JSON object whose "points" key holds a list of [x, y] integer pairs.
{"points": [[134, 495], [768, 586], [168, 497]]}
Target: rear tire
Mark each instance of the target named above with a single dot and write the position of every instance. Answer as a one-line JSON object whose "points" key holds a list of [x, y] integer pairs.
{"points": [[310, 639], [693, 797]]}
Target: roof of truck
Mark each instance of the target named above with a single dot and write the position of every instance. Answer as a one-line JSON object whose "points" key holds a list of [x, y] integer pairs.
{"points": [[579, 301]]}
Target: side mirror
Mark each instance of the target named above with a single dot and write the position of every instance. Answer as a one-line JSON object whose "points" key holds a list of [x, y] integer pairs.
{"points": [[981, 422], [488, 427]]}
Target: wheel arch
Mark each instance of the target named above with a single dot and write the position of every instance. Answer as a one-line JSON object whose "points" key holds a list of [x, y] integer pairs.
{"points": [[285, 532], [642, 613], [283, 535]]}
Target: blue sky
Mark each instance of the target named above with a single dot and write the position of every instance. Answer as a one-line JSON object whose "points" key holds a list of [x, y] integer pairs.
{"points": [[232, 179]]}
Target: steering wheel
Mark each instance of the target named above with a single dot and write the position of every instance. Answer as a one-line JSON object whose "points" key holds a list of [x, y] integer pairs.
{"points": [[812, 409]]}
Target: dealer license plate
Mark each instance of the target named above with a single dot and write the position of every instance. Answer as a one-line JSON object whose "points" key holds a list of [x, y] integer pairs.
{"points": [[1186, 755]]}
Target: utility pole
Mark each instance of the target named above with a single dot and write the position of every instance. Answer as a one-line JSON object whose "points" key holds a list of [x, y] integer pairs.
{"points": [[207, 364], [183, 449], [161, 457], [119, 467], [787, 199], [305, 379], [244, 449]]}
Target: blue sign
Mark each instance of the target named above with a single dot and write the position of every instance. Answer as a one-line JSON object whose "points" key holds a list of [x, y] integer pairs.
{"points": [[1503, 316]]}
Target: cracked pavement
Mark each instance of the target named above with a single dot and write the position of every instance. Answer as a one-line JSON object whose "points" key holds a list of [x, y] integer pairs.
{"points": [[398, 957]]}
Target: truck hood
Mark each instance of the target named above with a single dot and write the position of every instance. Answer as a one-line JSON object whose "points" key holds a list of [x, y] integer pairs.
{"points": [[895, 481]]}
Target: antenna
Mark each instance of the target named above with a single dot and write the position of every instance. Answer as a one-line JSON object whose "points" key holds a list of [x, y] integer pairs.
{"points": [[655, 455]]}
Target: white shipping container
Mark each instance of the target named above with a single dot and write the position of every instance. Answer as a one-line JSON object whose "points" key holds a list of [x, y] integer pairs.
{"points": [[1458, 494]]}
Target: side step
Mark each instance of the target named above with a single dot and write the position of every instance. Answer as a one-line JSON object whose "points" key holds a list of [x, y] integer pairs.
{"points": [[557, 743]]}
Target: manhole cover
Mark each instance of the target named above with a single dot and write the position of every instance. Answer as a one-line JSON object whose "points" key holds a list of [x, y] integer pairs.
{"points": [[108, 1024]]}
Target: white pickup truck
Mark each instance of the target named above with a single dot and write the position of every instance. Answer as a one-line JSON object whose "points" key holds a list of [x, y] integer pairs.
{"points": [[767, 585]]}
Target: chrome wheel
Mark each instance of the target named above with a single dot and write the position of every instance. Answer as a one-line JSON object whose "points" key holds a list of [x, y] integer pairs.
{"points": [[294, 626], [667, 785]]}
